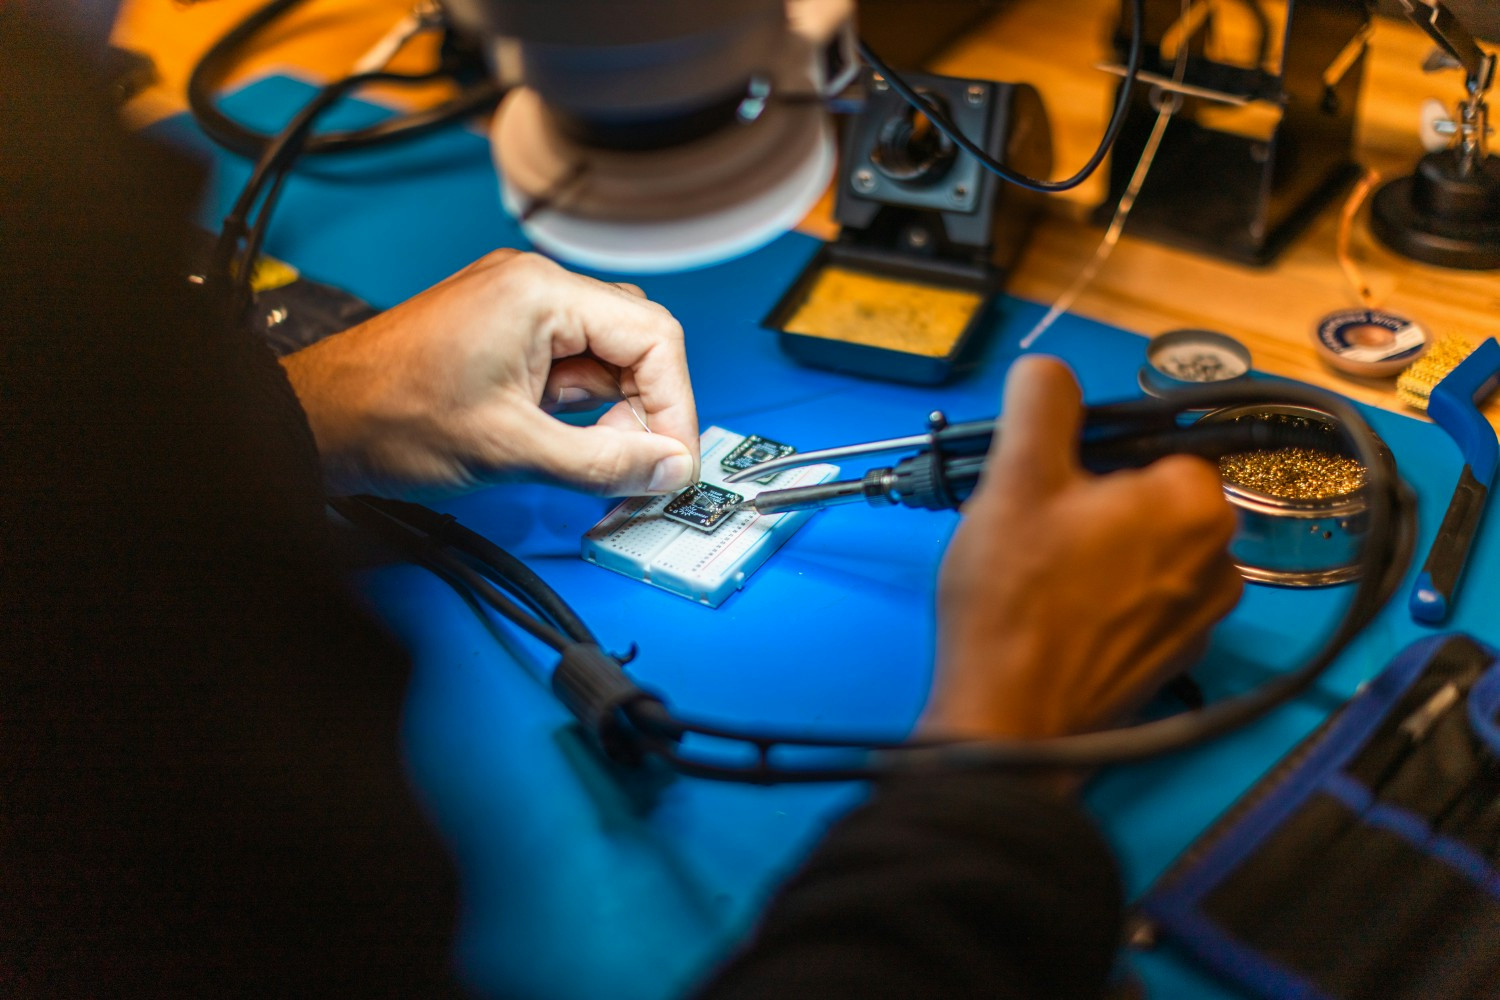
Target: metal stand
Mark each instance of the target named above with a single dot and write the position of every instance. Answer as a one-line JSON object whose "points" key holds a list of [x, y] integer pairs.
{"points": [[1448, 212], [1256, 149]]}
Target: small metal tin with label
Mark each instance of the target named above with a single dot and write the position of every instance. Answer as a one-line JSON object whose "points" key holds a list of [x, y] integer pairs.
{"points": [[1369, 342], [1178, 359]]}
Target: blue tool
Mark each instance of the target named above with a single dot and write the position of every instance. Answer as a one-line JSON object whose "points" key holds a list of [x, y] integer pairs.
{"points": [[1453, 407]]}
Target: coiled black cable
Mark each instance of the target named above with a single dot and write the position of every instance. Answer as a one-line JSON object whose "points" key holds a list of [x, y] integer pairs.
{"points": [[273, 166], [945, 125], [644, 723], [216, 64], [504, 568]]}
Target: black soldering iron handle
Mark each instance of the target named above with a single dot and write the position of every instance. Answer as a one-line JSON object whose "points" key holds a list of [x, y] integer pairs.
{"points": [[1210, 441], [1123, 435], [922, 482]]}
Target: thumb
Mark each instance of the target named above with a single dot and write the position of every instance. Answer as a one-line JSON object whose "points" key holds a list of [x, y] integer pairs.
{"points": [[606, 460], [1042, 418]]}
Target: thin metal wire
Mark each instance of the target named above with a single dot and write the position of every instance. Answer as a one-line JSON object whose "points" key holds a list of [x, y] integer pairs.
{"points": [[1106, 247], [1167, 104]]}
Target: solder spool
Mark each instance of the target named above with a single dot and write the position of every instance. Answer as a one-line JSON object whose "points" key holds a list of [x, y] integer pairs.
{"points": [[1296, 541]]}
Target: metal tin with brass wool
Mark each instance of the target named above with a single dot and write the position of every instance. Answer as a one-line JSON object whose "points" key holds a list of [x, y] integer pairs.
{"points": [[1302, 510]]}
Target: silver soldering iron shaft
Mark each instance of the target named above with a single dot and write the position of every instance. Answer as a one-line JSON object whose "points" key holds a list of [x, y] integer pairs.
{"points": [[799, 459], [874, 487], [806, 497]]}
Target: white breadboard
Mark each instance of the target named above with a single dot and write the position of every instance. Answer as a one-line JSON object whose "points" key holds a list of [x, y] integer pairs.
{"points": [[636, 540]]}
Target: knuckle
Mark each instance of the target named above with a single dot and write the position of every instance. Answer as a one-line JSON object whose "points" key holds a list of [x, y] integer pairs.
{"points": [[533, 264], [519, 278], [663, 326], [500, 256], [663, 312], [523, 268]]}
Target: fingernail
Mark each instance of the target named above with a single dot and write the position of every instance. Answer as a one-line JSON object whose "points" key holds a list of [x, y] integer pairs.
{"points": [[571, 394], [671, 473]]}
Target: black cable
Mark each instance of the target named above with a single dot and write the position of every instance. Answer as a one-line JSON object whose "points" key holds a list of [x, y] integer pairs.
{"points": [[652, 729], [243, 284], [521, 594], [507, 569], [764, 774], [399, 535], [482, 588], [220, 59], [535, 627], [274, 165], [946, 126], [415, 541], [1383, 560]]}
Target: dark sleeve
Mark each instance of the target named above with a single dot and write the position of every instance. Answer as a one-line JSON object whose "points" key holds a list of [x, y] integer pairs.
{"points": [[949, 885], [199, 730]]}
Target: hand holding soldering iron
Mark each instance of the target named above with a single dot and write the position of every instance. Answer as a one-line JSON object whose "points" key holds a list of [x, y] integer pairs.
{"points": [[1067, 599]]}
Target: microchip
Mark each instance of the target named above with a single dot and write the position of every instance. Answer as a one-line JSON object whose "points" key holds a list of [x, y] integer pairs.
{"points": [[753, 451], [702, 506]]}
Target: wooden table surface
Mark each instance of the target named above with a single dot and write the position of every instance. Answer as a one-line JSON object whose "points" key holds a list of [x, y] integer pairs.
{"points": [[1054, 45]]}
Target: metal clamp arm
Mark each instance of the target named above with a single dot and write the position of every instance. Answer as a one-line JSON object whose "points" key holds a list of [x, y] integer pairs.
{"points": [[1453, 38]]}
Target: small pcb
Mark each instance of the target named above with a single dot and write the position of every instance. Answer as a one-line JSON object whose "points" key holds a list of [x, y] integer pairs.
{"points": [[701, 506], [709, 554], [753, 451]]}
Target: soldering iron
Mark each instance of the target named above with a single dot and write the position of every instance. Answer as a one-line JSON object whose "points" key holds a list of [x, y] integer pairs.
{"points": [[951, 456]]}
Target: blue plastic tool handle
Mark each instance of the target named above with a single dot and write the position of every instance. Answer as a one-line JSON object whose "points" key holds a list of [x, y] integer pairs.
{"points": [[1453, 407]]}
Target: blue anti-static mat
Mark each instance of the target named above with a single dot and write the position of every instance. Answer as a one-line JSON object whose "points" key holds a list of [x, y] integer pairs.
{"points": [[579, 885]]}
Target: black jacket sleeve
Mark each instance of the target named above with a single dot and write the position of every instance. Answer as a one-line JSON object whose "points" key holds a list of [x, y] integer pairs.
{"points": [[949, 885], [199, 761], [200, 767]]}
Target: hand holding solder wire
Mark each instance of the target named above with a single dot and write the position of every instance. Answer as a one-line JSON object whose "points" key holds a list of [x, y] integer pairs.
{"points": [[455, 388], [1067, 599]]}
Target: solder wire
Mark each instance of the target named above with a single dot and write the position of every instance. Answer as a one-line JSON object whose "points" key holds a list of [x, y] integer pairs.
{"points": [[1347, 263]]}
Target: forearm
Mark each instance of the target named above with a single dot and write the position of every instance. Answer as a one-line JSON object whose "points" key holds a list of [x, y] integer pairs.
{"points": [[943, 885], [336, 386]]}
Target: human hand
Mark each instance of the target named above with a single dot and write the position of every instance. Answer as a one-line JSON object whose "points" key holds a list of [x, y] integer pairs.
{"points": [[454, 387], [1067, 599]]}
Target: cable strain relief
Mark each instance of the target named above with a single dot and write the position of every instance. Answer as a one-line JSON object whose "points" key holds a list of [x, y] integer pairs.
{"points": [[876, 487], [594, 687]]}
